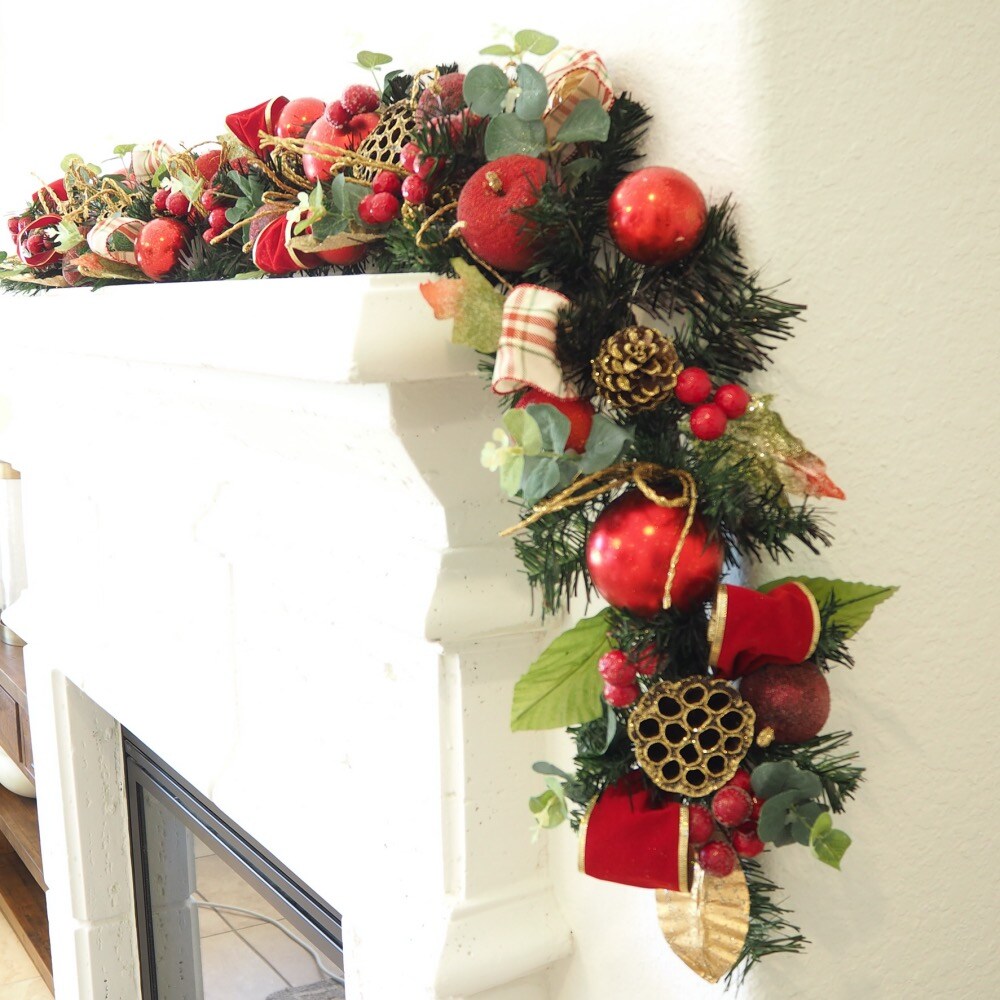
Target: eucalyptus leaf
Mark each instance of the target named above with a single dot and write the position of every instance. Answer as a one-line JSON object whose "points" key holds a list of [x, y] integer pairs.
{"points": [[575, 169], [535, 42], [3, 255], [774, 814], [485, 89], [369, 60], [534, 96], [587, 122], [569, 468], [828, 845], [508, 135], [549, 808], [326, 226], [248, 275], [612, 730], [784, 838], [773, 777], [70, 160], [562, 687], [853, 602], [540, 478], [524, 429], [124, 148], [544, 767], [604, 446], [802, 819], [554, 426], [510, 475]]}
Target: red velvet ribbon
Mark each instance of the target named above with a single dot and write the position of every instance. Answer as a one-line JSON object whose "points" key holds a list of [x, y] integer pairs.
{"points": [[272, 254], [624, 839], [247, 125], [749, 629]]}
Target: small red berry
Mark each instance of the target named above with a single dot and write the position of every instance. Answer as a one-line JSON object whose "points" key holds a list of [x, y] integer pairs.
{"points": [[701, 826], [13, 225], [209, 199], [732, 399], [217, 219], [178, 204], [386, 182], [36, 243], [746, 841], [741, 779], [160, 200], [731, 806], [755, 813], [648, 662], [337, 115], [408, 156], [424, 166], [383, 208], [415, 190], [615, 668], [364, 210], [209, 234], [620, 695], [24, 221], [360, 99], [693, 386], [717, 858], [708, 422]]}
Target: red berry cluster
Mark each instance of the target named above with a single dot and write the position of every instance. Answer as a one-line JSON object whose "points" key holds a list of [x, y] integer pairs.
{"points": [[619, 673], [735, 809], [37, 243], [709, 419], [358, 99], [389, 191]]}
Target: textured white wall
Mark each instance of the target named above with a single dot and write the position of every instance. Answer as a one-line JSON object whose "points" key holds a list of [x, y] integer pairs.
{"points": [[861, 142]]}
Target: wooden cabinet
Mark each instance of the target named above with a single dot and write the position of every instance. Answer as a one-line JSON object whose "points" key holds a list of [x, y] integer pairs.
{"points": [[22, 889]]}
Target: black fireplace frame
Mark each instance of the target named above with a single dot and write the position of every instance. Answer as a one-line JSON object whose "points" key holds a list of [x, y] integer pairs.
{"points": [[145, 771]]}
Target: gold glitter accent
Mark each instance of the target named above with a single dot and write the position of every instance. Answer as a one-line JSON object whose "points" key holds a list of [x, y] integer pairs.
{"points": [[683, 850], [765, 737], [707, 927], [815, 613], [581, 844], [689, 736], [717, 624]]}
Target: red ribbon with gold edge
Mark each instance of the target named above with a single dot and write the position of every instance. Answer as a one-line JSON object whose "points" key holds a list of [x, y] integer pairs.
{"points": [[625, 839], [247, 125], [749, 629]]}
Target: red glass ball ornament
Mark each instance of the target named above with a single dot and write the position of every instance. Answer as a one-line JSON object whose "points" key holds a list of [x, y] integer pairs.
{"points": [[732, 399], [657, 215], [579, 412], [629, 551], [793, 700], [693, 386], [296, 117], [158, 246], [708, 422]]}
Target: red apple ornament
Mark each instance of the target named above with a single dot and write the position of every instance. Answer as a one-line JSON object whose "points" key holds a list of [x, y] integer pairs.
{"points": [[158, 246], [490, 206], [793, 700], [657, 215]]}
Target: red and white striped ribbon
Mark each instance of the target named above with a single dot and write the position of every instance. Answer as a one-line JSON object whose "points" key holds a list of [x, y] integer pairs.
{"points": [[573, 75], [99, 238]]}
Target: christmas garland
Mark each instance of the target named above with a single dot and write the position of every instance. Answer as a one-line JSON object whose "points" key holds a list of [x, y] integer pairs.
{"points": [[619, 324]]}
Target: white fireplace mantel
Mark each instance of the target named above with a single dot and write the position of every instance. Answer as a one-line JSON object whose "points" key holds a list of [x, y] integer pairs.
{"points": [[258, 537]]}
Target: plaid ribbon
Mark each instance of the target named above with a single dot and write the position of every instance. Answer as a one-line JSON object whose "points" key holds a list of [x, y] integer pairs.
{"points": [[99, 238], [147, 158], [526, 356], [572, 76]]}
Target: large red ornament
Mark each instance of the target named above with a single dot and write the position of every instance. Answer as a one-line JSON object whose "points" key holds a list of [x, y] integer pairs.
{"points": [[490, 206], [629, 551], [657, 215], [793, 700], [158, 246], [297, 116], [324, 134]]}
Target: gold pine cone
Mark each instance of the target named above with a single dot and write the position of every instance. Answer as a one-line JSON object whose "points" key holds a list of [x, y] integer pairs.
{"points": [[636, 368]]}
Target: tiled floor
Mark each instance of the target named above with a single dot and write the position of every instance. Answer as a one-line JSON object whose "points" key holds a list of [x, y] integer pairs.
{"points": [[19, 979]]}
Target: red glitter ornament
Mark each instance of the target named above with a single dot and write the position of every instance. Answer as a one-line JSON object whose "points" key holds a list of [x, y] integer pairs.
{"points": [[746, 841], [629, 551], [701, 826], [657, 215], [718, 859], [158, 246], [793, 700], [731, 806]]}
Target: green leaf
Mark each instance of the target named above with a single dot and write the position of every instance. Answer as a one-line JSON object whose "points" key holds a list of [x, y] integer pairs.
{"points": [[479, 314], [774, 814], [125, 147], [553, 425], [485, 89], [587, 122], [534, 96], [191, 186], [3, 255], [562, 687], [549, 808], [802, 819], [248, 275], [70, 160], [541, 477], [507, 135], [544, 767], [828, 845], [511, 473], [68, 236], [524, 429], [327, 226], [120, 243], [772, 778], [575, 169], [535, 42], [853, 602], [497, 50], [604, 446], [369, 60]]}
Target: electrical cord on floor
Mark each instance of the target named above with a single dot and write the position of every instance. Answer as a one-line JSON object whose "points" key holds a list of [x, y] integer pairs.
{"points": [[316, 957]]}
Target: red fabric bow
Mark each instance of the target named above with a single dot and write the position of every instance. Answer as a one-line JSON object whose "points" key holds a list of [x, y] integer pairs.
{"points": [[247, 125]]}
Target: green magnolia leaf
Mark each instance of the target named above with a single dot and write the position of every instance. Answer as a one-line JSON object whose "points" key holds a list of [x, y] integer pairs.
{"points": [[535, 42], [124, 148], [587, 122], [369, 60], [828, 845], [604, 446], [553, 425], [485, 89], [508, 135], [511, 473], [497, 50], [774, 814], [802, 819], [562, 687], [540, 478], [534, 96], [524, 429], [479, 312], [853, 602]]}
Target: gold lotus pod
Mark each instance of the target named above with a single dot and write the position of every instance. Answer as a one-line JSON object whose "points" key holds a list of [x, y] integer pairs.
{"points": [[690, 735], [384, 142], [636, 368], [706, 927]]}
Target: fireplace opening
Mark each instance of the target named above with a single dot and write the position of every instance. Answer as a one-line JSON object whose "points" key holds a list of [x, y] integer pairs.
{"points": [[218, 915]]}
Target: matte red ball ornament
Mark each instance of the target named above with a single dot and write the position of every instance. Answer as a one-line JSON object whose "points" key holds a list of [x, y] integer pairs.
{"points": [[657, 215], [708, 422], [732, 399], [629, 551], [693, 386], [579, 412], [793, 700], [158, 246]]}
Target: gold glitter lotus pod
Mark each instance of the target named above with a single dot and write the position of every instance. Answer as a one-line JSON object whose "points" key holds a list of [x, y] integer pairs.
{"points": [[689, 736], [636, 368], [706, 927], [385, 141]]}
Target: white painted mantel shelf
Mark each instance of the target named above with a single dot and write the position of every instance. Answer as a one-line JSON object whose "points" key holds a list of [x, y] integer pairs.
{"points": [[258, 536]]}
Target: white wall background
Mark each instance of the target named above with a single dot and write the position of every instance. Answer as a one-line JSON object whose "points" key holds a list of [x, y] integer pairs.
{"points": [[861, 142]]}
